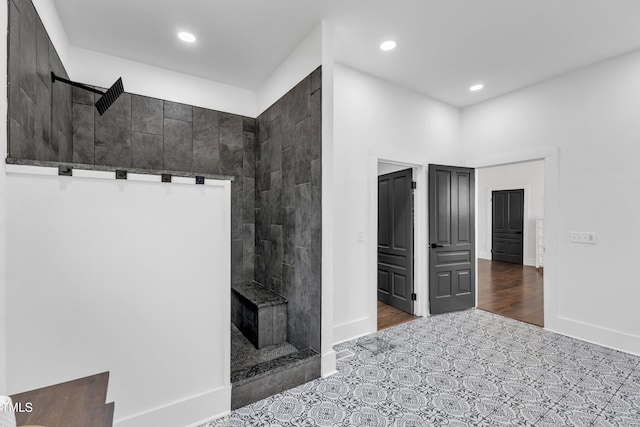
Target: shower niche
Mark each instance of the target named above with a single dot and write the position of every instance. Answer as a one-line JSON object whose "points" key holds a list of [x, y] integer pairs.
{"points": [[276, 313]]}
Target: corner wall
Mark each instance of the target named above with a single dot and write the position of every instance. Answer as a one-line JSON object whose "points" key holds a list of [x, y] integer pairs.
{"points": [[590, 116]]}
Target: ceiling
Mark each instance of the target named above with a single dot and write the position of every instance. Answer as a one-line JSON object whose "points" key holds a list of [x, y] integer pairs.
{"points": [[444, 46]]}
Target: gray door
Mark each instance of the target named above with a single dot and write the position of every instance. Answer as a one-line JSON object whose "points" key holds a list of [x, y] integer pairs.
{"points": [[395, 240], [452, 238], [507, 225]]}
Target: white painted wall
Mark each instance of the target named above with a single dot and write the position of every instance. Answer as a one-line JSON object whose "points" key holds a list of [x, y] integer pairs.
{"points": [[305, 58], [528, 176], [591, 116], [127, 277], [375, 119], [102, 70]]}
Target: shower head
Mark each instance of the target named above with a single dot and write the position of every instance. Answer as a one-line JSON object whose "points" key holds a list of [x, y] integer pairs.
{"points": [[107, 98], [110, 96]]}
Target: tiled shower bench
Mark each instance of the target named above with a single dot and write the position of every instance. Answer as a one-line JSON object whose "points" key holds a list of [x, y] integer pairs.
{"points": [[260, 314]]}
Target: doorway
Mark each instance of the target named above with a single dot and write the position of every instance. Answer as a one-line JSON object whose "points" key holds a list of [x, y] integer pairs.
{"points": [[507, 218], [397, 254], [510, 207]]}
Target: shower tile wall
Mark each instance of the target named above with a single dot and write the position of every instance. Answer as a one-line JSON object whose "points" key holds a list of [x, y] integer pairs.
{"points": [[136, 131], [39, 112], [149, 133], [288, 206]]}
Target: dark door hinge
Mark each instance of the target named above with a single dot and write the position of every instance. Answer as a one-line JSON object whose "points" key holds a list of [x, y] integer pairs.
{"points": [[414, 185], [414, 297]]}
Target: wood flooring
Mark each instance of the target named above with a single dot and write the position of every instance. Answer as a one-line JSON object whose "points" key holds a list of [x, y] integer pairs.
{"points": [[511, 290], [389, 316], [78, 403]]}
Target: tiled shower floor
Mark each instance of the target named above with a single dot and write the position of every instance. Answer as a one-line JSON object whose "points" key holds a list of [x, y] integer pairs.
{"points": [[244, 354], [470, 368]]}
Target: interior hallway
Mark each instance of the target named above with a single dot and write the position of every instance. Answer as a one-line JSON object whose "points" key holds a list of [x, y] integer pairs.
{"points": [[511, 290]]}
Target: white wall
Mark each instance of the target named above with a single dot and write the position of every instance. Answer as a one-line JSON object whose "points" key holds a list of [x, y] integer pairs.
{"points": [[591, 115], [305, 58], [102, 70], [528, 176], [127, 277], [373, 117]]}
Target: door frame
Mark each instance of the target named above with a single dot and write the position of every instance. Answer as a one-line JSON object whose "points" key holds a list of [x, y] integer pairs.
{"points": [[527, 214], [551, 157], [420, 230]]}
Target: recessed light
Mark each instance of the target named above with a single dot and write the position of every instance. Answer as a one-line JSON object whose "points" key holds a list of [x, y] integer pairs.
{"points": [[388, 45], [476, 87], [186, 37]]}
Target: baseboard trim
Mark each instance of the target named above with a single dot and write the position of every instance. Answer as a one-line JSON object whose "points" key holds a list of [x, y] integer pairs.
{"points": [[599, 335], [352, 330], [328, 363], [192, 411]]}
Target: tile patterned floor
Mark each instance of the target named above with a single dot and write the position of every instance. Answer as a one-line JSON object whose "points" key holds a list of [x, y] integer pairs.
{"points": [[469, 368]]}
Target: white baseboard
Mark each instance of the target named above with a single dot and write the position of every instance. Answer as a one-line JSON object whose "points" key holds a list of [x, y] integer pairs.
{"points": [[190, 412], [483, 255], [594, 334], [530, 261], [352, 330], [328, 364]]}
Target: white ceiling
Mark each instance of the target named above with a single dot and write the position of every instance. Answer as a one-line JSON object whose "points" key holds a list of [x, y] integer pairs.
{"points": [[444, 46]]}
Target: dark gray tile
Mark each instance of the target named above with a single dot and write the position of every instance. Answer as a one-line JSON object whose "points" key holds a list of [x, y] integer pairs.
{"points": [[178, 145], [300, 102], [303, 152], [288, 177], [14, 65], [248, 252], [316, 79], [65, 146], [263, 175], [231, 160], [303, 215], [82, 96], [113, 134], [146, 115], [265, 327], [147, 151], [42, 59], [289, 235], [249, 124], [27, 52], [16, 3], [236, 261], [276, 252], [248, 162], [26, 149], [83, 133], [274, 147], [14, 145], [44, 145], [176, 111], [206, 150], [315, 151], [248, 200], [288, 280], [236, 209], [288, 131], [231, 134]]}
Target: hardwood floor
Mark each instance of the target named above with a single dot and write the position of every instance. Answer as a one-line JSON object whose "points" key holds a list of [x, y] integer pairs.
{"points": [[511, 290], [78, 403], [389, 316]]}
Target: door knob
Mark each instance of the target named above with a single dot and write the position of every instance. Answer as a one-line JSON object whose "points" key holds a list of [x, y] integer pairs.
{"points": [[434, 245]]}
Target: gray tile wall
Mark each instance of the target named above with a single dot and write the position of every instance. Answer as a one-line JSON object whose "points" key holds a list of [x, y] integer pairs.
{"points": [[149, 133], [40, 112], [288, 221], [56, 122]]}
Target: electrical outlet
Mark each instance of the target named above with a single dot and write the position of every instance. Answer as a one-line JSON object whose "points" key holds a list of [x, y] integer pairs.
{"points": [[200, 180], [583, 237]]}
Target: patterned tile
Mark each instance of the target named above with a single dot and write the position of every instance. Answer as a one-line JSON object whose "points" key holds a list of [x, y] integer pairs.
{"points": [[469, 368]]}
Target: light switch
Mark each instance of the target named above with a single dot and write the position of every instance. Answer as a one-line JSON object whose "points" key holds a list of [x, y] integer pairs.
{"points": [[583, 237], [360, 236]]}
